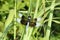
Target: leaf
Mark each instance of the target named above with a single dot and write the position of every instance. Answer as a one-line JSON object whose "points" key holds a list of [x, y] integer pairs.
{"points": [[10, 18], [20, 5], [1, 26], [5, 7], [58, 22]]}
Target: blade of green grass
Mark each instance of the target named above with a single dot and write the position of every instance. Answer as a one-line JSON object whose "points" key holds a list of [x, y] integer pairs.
{"points": [[50, 21], [36, 10]]}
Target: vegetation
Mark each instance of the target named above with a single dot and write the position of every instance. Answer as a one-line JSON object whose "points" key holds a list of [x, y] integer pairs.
{"points": [[29, 19]]}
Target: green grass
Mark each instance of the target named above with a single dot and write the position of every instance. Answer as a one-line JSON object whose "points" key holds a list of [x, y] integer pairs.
{"points": [[43, 9]]}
